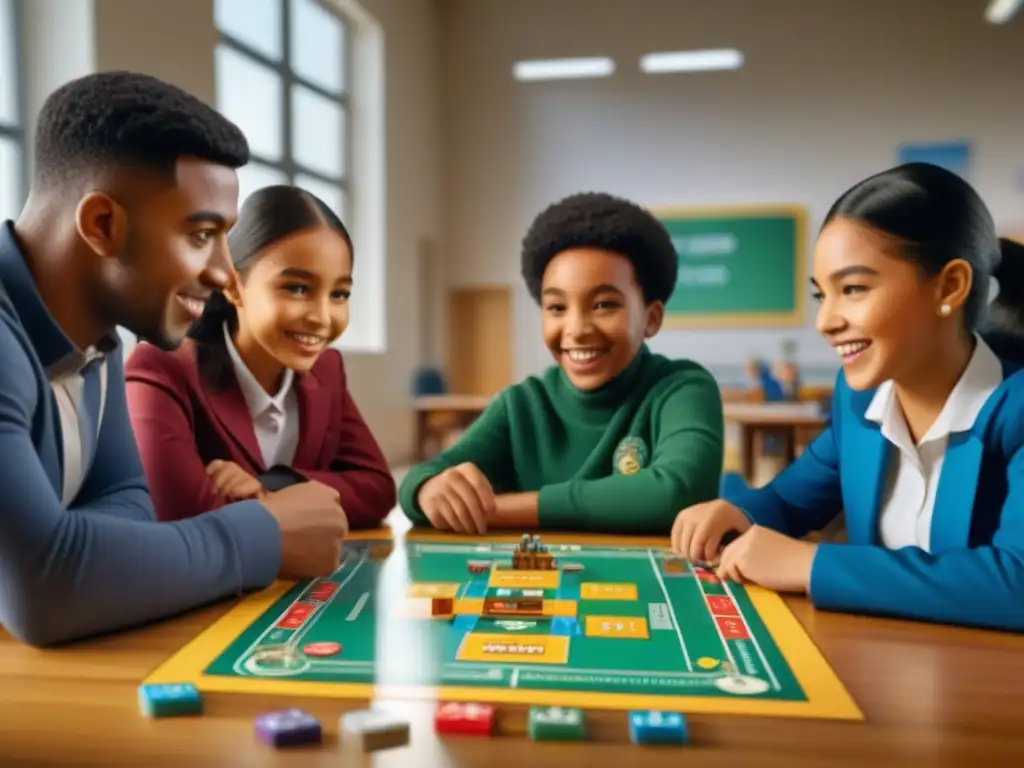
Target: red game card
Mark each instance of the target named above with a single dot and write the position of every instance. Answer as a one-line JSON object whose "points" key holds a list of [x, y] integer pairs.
{"points": [[297, 615], [733, 629], [722, 606]]}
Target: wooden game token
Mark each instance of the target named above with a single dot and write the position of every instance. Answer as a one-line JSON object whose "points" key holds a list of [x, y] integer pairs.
{"points": [[657, 728], [557, 724], [370, 730], [468, 719], [170, 700], [322, 649], [288, 727]]}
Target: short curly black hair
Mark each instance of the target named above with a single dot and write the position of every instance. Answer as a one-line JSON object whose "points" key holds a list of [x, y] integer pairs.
{"points": [[600, 220], [131, 120]]}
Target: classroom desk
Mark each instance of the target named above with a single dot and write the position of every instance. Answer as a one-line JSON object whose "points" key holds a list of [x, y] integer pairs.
{"points": [[438, 414], [931, 695], [785, 420]]}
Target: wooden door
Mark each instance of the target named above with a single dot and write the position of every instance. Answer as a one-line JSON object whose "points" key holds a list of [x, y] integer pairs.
{"points": [[479, 340]]}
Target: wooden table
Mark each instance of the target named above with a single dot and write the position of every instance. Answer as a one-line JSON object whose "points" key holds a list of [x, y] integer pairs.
{"points": [[453, 411], [933, 696], [785, 420]]}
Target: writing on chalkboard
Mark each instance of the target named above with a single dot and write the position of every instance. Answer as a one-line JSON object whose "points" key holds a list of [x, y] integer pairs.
{"points": [[713, 244], [715, 274]]}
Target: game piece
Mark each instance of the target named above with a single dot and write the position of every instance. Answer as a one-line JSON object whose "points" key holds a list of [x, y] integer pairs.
{"points": [[572, 567], [442, 606], [321, 649], [557, 724], [478, 566], [288, 727], [170, 700], [657, 728], [467, 719], [371, 729]]}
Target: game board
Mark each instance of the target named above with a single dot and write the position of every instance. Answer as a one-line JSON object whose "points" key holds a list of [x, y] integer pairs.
{"points": [[601, 623]]}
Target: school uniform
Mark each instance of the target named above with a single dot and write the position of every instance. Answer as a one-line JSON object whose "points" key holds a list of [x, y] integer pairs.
{"points": [[623, 458], [935, 531], [310, 429], [80, 549]]}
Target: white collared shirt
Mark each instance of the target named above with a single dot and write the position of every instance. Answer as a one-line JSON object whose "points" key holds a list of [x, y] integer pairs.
{"points": [[912, 477], [68, 385], [275, 419]]}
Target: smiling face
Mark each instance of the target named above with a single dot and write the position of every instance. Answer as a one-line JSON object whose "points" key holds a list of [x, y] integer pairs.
{"points": [[884, 317], [170, 249], [595, 318], [293, 301]]}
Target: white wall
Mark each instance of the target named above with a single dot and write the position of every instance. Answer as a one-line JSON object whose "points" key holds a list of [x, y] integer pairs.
{"points": [[828, 92], [175, 41]]}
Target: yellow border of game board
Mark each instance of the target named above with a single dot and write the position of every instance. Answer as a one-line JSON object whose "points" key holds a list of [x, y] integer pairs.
{"points": [[826, 694]]}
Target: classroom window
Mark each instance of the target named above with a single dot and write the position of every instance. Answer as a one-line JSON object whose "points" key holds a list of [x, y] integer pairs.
{"points": [[12, 146], [283, 71]]}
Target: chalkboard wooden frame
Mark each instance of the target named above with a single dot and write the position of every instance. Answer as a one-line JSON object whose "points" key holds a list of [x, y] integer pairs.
{"points": [[794, 314]]}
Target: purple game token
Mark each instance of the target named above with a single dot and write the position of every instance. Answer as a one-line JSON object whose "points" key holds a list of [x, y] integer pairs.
{"points": [[287, 727]]}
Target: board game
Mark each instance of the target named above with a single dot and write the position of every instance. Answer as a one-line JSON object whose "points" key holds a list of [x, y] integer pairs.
{"points": [[561, 621]]}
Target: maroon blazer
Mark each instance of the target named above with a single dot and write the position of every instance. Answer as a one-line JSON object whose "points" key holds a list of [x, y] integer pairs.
{"points": [[181, 426]]}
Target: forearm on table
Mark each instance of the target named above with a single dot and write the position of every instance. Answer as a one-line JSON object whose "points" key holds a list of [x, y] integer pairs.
{"points": [[515, 510]]}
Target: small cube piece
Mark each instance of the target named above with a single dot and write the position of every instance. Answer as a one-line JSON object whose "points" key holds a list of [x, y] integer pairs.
{"points": [[657, 728], [371, 729], [288, 727], [467, 719], [478, 566], [170, 700], [442, 606], [557, 724]]}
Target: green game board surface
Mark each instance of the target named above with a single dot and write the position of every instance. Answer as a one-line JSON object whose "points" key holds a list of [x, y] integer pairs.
{"points": [[704, 637]]}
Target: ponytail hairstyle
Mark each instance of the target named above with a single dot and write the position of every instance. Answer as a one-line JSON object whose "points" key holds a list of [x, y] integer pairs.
{"points": [[935, 216], [268, 215], [1004, 323]]}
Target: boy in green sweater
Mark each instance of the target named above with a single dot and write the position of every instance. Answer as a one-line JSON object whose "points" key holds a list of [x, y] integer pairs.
{"points": [[614, 438]]}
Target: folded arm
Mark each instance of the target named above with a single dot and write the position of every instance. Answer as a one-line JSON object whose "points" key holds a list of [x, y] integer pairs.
{"points": [[684, 469], [65, 575], [485, 444], [359, 471]]}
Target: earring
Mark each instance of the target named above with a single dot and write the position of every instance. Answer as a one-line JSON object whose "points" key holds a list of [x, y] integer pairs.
{"points": [[945, 309]]}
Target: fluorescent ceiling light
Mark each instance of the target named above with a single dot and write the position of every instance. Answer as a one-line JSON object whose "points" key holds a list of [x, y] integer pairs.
{"points": [[562, 69], [691, 61], [1001, 11]]}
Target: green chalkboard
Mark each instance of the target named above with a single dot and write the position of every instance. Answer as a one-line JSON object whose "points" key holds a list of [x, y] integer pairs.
{"points": [[741, 266]]}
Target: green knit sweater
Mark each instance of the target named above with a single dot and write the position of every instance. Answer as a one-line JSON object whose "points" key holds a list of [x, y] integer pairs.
{"points": [[624, 458]]}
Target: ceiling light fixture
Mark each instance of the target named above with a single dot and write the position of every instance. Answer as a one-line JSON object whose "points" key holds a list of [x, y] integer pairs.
{"points": [[562, 69], [691, 61]]}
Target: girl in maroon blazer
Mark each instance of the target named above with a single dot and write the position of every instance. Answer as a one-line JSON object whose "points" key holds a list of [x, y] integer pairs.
{"points": [[256, 399]]}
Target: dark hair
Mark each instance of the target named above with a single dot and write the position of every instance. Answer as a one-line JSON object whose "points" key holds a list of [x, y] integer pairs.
{"points": [[598, 220], [129, 119], [936, 217], [267, 216]]}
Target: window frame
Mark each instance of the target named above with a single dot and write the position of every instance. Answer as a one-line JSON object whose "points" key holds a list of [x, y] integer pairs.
{"points": [[16, 131], [287, 165]]}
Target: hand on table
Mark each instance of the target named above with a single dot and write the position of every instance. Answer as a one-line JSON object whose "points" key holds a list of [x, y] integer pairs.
{"points": [[229, 479], [459, 499], [698, 530], [770, 559], [313, 529]]}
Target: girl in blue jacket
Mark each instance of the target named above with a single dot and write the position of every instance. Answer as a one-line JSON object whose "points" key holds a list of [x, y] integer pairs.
{"points": [[924, 454]]}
